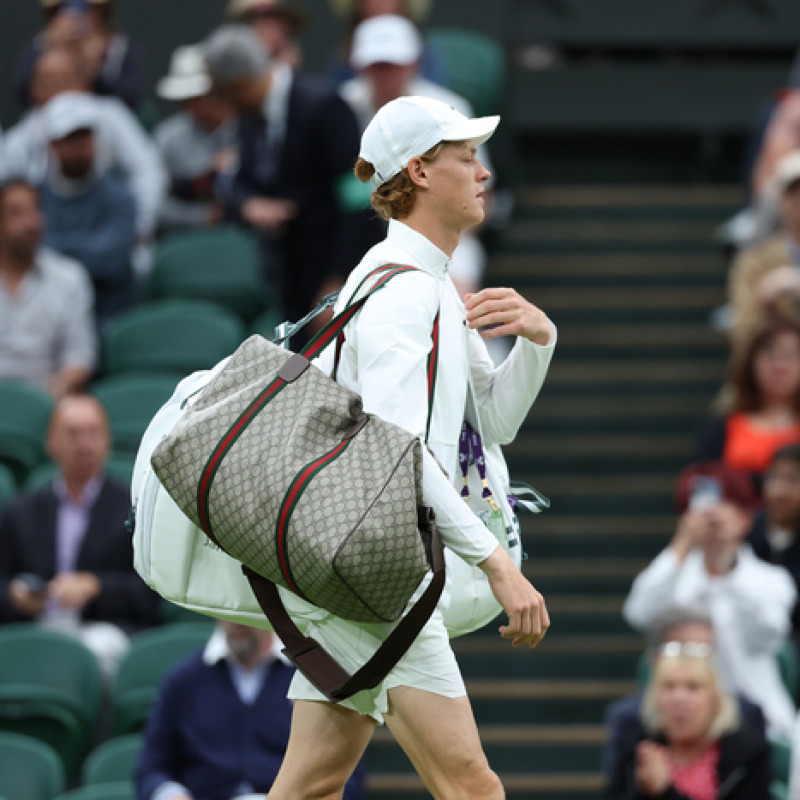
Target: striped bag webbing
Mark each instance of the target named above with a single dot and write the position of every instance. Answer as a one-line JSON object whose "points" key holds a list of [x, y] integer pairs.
{"points": [[388, 271]]}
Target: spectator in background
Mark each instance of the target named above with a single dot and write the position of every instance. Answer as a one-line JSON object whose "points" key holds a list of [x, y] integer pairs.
{"points": [[47, 334], [220, 724], [765, 412], [194, 144], [275, 22], [623, 717], [386, 55], [89, 214], [696, 745], [121, 142], [298, 141], [355, 12], [109, 62], [707, 567], [764, 279], [774, 533], [66, 559]]}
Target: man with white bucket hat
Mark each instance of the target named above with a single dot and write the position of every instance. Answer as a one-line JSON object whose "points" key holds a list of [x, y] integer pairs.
{"points": [[195, 144], [419, 155]]}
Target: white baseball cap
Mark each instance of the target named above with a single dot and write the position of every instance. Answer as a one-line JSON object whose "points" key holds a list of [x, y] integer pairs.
{"points": [[69, 112], [385, 39], [410, 126], [187, 76]]}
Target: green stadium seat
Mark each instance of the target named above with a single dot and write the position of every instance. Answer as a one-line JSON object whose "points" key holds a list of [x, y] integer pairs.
{"points": [[29, 769], [50, 689], [222, 265], [778, 791], [175, 337], [7, 487], [781, 756], [23, 426], [118, 790], [151, 655], [112, 761], [474, 67], [131, 402]]}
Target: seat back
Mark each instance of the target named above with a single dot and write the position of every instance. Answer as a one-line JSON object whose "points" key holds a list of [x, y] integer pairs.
{"points": [[131, 402], [118, 790], [51, 661], [222, 265], [176, 337], [141, 671], [23, 424], [474, 66], [29, 770], [6, 485], [113, 761]]}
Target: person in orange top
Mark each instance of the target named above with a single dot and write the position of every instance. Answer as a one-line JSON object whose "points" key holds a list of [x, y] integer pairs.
{"points": [[766, 411]]}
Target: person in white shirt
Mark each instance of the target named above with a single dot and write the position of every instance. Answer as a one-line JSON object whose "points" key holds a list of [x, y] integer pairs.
{"points": [[195, 144], [419, 155], [708, 567]]}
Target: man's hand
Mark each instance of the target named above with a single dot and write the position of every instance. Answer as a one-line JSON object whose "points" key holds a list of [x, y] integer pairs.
{"points": [[504, 312], [74, 589], [652, 769], [528, 619], [268, 213], [25, 602]]}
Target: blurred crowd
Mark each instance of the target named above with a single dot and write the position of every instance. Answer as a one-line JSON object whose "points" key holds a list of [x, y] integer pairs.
{"points": [[96, 185], [93, 187], [719, 605]]}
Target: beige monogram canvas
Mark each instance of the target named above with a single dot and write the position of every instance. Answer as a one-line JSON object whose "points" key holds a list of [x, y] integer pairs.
{"points": [[351, 543]]}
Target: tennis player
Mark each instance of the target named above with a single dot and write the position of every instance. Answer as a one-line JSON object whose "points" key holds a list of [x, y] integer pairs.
{"points": [[419, 154]]}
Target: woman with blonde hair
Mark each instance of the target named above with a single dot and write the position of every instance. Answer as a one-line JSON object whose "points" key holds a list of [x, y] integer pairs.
{"points": [[696, 745]]}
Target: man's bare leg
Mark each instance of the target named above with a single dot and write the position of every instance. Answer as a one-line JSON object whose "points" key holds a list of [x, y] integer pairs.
{"points": [[440, 737], [325, 743]]}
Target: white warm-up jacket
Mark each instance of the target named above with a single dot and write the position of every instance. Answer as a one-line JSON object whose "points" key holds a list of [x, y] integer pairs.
{"points": [[384, 360]]}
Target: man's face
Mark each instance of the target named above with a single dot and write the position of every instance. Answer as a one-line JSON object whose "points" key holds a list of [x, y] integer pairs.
{"points": [[457, 181], [274, 30], [78, 439], [20, 222], [245, 642], [75, 154], [208, 110], [55, 72], [246, 95], [388, 81], [782, 493]]}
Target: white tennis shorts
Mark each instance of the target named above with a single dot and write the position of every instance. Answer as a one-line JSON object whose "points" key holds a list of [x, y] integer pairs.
{"points": [[429, 663]]}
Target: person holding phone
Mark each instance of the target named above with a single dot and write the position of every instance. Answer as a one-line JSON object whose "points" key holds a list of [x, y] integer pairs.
{"points": [[708, 567]]}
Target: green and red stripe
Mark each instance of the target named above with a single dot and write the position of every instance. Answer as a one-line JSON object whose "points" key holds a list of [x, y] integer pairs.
{"points": [[298, 485], [221, 450]]}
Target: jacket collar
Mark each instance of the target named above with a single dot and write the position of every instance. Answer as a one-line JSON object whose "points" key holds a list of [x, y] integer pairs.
{"points": [[423, 252]]}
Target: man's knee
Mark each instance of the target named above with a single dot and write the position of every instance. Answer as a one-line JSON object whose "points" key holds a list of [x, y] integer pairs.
{"points": [[475, 781]]}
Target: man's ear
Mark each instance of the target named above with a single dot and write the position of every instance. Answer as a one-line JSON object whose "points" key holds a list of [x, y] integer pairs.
{"points": [[417, 171]]}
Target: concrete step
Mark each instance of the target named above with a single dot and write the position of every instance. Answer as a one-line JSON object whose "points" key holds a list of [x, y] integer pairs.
{"points": [[545, 786], [721, 197]]}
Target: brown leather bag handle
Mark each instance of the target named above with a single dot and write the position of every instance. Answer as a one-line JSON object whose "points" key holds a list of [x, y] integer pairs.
{"points": [[318, 665]]}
